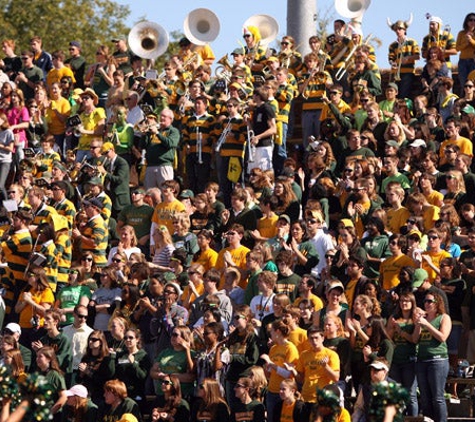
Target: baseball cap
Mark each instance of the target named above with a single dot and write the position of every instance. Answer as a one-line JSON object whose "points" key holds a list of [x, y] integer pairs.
{"points": [[393, 86], [128, 417], [187, 193], [13, 327], [418, 143], [379, 365], [284, 217], [335, 284], [77, 390], [107, 147], [76, 44], [237, 51], [392, 143], [420, 275], [94, 202]]}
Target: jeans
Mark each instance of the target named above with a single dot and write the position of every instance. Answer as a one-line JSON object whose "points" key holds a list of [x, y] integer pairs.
{"points": [[465, 66], [405, 85], [272, 399], [4, 170], [310, 125], [405, 374], [431, 378]]}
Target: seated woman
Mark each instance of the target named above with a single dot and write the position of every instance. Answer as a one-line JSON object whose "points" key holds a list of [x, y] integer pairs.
{"points": [[170, 405], [116, 403]]}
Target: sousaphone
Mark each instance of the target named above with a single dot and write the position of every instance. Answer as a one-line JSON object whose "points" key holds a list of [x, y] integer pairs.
{"points": [[148, 40], [352, 9], [267, 25], [201, 26]]}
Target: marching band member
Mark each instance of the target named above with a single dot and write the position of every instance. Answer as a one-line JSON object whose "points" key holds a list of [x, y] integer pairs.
{"points": [[284, 95], [438, 36], [289, 57], [16, 248], [365, 73], [198, 136], [93, 237], [160, 146], [255, 53], [239, 56], [312, 86], [403, 54], [230, 148]]}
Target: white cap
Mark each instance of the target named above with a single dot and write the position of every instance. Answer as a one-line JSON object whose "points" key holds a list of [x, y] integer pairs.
{"points": [[77, 390], [13, 327], [418, 143], [436, 19], [379, 365]]}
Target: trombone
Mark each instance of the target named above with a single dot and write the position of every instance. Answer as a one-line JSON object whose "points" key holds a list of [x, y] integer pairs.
{"points": [[346, 64], [251, 148], [223, 137], [199, 145]]}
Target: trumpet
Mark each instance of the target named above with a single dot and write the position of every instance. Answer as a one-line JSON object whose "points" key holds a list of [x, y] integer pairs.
{"points": [[251, 149], [343, 69], [199, 145], [223, 137]]}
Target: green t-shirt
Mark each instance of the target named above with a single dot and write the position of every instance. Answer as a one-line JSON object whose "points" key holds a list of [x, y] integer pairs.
{"points": [[69, 297]]}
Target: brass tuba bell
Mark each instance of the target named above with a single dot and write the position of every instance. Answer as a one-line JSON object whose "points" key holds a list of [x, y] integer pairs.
{"points": [[201, 26], [148, 40]]}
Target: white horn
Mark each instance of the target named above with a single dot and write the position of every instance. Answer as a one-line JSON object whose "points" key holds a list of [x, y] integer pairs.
{"points": [[409, 22], [201, 26], [390, 24], [352, 9], [148, 40], [267, 25]]}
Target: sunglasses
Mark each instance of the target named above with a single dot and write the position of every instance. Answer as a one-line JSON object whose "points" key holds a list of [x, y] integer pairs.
{"points": [[411, 221], [239, 386], [468, 86], [329, 256], [311, 221], [247, 36], [136, 192], [348, 170], [429, 301], [87, 259], [116, 260], [129, 337], [230, 233], [284, 43], [166, 382], [94, 339], [81, 317], [237, 317], [432, 237]]}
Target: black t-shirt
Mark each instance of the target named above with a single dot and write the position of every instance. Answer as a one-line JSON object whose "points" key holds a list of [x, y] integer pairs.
{"points": [[260, 122]]}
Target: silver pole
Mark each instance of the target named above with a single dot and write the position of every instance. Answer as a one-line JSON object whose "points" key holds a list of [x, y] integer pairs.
{"points": [[301, 22]]}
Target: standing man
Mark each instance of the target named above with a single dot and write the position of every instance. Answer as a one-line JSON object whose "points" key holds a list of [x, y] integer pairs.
{"points": [[160, 146], [264, 127], [116, 174], [138, 215], [93, 236], [230, 149], [439, 37], [403, 54], [29, 75], [16, 250], [92, 123], [122, 55], [42, 59], [78, 334], [198, 136], [312, 86], [317, 366], [76, 63], [59, 70], [318, 238]]}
